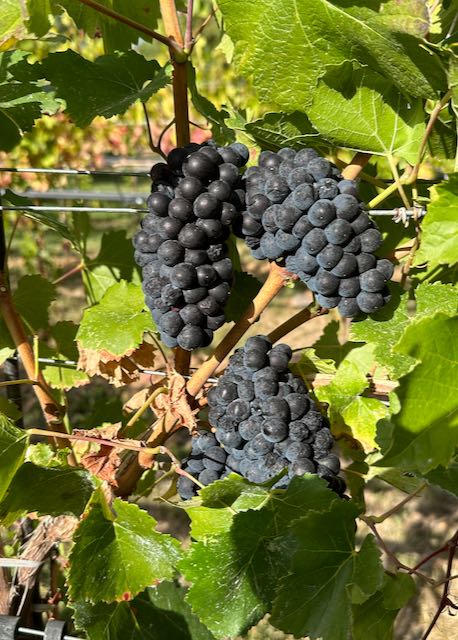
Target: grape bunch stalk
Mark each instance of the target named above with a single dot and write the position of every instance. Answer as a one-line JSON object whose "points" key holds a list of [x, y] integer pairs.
{"points": [[187, 274], [300, 209], [264, 421]]}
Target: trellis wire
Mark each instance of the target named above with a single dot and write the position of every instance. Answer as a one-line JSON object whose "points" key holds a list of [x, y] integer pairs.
{"points": [[396, 213], [77, 172], [26, 631]]}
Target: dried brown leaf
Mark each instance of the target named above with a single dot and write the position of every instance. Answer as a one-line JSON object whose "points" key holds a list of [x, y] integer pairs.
{"points": [[118, 370], [175, 404]]}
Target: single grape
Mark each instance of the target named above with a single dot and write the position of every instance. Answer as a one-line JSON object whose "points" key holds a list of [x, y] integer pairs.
{"points": [[322, 213], [369, 302]]}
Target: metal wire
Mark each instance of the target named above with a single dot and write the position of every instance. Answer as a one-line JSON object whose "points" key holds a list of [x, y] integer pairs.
{"points": [[394, 213], [66, 194], [77, 172], [26, 631], [71, 364], [52, 209]]}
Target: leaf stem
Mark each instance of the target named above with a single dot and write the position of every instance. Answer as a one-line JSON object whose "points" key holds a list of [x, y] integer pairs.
{"points": [[399, 506], [151, 398], [398, 182], [100, 8], [271, 287], [68, 274], [154, 148], [352, 170]]}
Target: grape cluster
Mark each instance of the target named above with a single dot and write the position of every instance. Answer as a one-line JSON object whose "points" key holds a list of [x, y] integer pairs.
{"points": [[207, 463], [265, 421], [181, 247], [299, 207]]}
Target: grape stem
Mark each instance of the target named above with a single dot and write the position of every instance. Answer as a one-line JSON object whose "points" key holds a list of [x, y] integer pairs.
{"points": [[352, 170], [52, 411], [271, 287], [292, 323]]}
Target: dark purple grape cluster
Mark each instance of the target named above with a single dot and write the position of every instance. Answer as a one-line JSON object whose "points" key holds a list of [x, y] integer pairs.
{"points": [[265, 421], [207, 462], [299, 208], [196, 197]]}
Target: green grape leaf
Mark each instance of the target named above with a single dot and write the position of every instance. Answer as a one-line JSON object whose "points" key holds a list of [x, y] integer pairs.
{"points": [[234, 572], [276, 130], [48, 491], [408, 16], [116, 36], [13, 445], [385, 327], [159, 613], [63, 376], [221, 132], [48, 219], [42, 455], [315, 598], [11, 20], [21, 101], [347, 409], [32, 299], [114, 262], [439, 229], [39, 12], [288, 75], [118, 322], [126, 553], [375, 617], [244, 289], [213, 511], [365, 112], [362, 416], [114, 82], [329, 347], [9, 409], [445, 477], [425, 432]]}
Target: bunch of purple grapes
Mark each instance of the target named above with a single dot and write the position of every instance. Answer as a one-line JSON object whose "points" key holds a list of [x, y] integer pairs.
{"points": [[299, 208], [187, 274], [264, 421]]}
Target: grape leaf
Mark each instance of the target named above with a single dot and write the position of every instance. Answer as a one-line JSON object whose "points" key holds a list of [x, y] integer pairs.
{"points": [[114, 82], [445, 477], [114, 262], [220, 131], [117, 553], [408, 16], [234, 572], [288, 74], [425, 430], [376, 616], [118, 322], [365, 112], [21, 102], [347, 409], [11, 25], [159, 613], [315, 598], [48, 219], [439, 229], [385, 327], [276, 130], [32, 299], [13, 445], [48, 491], [116, 36], [213, 511], [244, 289]]}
